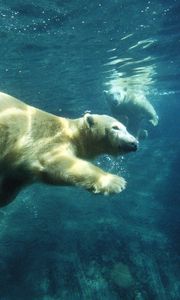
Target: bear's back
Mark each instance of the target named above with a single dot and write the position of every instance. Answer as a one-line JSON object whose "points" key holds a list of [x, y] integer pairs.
{"points": [[7, 101], [26, 128]]}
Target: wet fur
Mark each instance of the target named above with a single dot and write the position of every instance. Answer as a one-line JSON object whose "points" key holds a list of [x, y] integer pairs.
{"points": [[36, 146]]}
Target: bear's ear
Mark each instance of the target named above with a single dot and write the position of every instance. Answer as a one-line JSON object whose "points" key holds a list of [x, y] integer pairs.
{"points": [[89, 120]]}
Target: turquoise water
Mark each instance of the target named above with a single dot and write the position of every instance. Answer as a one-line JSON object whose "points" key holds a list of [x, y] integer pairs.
{"points": [[65, 243]]}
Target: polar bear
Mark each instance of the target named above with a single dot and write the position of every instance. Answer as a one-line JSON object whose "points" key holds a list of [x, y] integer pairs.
{"points": [[36, 146], [133, 109]]}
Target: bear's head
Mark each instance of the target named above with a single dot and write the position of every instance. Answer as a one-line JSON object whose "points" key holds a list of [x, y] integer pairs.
{"points": [[115, 96], [105, 134]]}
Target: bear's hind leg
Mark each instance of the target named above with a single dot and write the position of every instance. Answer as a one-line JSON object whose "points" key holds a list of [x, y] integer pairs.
{"points": [[9, 189]]}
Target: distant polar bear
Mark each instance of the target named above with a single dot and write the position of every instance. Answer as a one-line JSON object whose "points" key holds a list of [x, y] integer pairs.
{"points": [[36, 146], [132, 108]]}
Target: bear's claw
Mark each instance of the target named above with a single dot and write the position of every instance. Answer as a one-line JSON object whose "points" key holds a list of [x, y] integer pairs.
{"points": [[109, 184]]}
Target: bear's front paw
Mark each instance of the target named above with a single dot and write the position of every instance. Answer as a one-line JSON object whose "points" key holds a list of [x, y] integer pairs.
{"points": [[109, 184]]}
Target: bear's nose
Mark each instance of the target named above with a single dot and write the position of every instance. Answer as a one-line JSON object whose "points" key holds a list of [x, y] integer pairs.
{"points": [[134, 145]]}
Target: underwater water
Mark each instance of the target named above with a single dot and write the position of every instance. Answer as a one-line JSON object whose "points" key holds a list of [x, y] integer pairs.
{"points": [[63, 243]]}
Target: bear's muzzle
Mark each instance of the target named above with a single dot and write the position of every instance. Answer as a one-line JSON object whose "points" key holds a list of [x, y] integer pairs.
{"points": [[132, 145]]}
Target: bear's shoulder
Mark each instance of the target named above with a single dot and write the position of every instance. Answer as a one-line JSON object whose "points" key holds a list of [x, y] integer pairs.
{"points": [[7, 101]]}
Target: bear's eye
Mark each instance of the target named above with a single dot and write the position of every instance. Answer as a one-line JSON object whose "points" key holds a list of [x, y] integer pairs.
{"points": [[115, 127]]}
